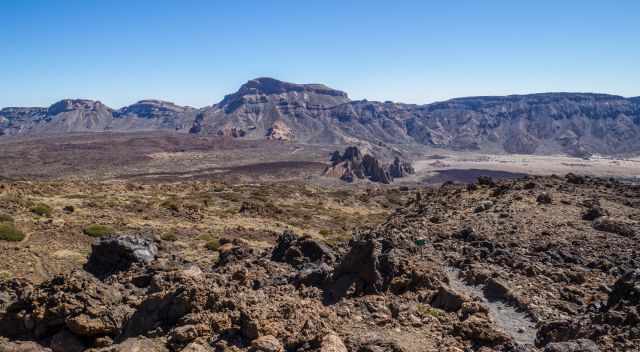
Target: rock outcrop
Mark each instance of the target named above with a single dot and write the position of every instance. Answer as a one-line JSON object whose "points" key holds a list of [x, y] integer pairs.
{"points": [[354, 165]]}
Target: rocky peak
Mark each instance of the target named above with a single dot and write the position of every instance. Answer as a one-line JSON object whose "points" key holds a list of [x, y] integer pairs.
{"points": [[152, 108], [75, 104], [264, 90], [269, 86]]}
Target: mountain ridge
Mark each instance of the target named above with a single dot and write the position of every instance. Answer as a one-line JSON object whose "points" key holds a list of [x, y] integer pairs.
{"points": [[265, 108]]}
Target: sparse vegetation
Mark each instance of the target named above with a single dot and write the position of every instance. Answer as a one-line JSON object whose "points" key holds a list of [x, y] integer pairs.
{"points": [[430, 311], [6, 218], [171, 204], [169, 237], [96, 230], [213, 245], [9, 232], [41, 209]]}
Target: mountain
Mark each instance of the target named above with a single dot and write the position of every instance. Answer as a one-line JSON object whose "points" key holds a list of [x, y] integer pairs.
{"points": [[264, 108]]}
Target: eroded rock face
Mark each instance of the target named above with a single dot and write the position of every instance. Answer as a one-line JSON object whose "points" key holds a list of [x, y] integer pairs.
{"points": [[117, 253], [400, 168], [354, 165]]}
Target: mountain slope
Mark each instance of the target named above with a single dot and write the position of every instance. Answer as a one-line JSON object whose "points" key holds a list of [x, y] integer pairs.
{"points": [[265, 108]]}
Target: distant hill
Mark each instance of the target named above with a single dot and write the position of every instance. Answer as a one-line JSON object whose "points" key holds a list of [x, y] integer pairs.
{"points": [[264, 108]]}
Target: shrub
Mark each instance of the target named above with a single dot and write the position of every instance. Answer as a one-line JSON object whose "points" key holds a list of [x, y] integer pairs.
{"points": [[424, 310], [8, 232], [170, 204], [41, 209], [325, 232], [96, 230], [169, 237], [6, 218], [69, 209], [213, 245]]}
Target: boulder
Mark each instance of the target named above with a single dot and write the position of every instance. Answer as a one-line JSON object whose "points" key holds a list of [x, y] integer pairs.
{"points": [[300, 250], [332, 343], [544, 198], [117, 253], [266, 343], [449, 300], [616, 226], [593, 213], [626, 289]]}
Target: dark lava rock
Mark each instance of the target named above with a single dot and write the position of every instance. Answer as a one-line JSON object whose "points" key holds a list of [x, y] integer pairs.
{"points": [[593, 213], [616, 226], [299, 250], [544, 198], [626, 289], [571, 178], [117, 253]]}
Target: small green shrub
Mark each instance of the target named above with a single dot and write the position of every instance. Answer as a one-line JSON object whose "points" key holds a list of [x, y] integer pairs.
{"points": [[9, 232], [6, 218], [170, 237], [325, 232], [41, 209], [5, 275], [425, 310], [96, 230], [170, 204], [213, 245]]}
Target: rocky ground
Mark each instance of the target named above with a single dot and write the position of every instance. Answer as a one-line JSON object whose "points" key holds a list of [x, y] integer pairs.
{"points": [[536, 264]]}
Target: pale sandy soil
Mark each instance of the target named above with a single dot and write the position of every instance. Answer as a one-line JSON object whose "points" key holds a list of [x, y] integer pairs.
{"points": [[531, 164]]}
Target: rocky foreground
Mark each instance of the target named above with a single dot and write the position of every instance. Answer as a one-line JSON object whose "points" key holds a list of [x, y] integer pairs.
{"points": [[557, 255]]}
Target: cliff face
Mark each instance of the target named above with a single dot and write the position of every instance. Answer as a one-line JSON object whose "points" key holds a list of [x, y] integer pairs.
{"points": [[265, 108]]}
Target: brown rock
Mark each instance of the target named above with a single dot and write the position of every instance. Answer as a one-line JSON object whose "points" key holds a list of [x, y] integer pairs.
{"points": [[447, 299], [266, 343], [332, 343]]}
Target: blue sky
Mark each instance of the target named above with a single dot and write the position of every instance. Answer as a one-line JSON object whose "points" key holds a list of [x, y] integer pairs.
{"points": [[194, 52]]}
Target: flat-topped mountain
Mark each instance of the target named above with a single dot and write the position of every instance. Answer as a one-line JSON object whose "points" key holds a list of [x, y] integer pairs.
{"points": [[265, 108]]}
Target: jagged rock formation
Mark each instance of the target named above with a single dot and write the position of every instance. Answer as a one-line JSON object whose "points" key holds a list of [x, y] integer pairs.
{"points": [[353, 165], [579, 124]]}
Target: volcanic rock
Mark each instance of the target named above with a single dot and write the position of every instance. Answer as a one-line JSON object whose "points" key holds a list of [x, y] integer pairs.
{"points": [[617, 226], [117, 253]]}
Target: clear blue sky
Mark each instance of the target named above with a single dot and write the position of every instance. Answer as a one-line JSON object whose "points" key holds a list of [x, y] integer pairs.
{"points": [[417, 51]]}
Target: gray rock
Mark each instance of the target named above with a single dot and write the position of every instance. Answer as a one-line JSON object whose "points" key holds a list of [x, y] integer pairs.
{"points": [[117, 253]]}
